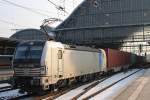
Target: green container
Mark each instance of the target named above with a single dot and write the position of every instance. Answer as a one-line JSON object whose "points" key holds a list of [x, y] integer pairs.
{"points": [[133, 59]]}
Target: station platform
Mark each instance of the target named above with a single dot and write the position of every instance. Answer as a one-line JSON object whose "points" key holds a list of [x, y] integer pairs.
{"points": [[138, 90]]}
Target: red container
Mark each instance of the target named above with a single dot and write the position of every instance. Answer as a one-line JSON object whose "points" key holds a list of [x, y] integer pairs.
{"points": [[116, 58]]}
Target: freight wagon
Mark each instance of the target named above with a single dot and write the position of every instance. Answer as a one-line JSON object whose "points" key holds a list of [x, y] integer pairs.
{"points": [[117, 60], [42, 65]]}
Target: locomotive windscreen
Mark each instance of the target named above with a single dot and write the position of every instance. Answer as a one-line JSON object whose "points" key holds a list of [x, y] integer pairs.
{"points": [[28, 53]]}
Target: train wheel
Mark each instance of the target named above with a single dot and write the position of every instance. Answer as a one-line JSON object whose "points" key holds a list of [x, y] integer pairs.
{"points": [[62, 83], [55, 87], [84, 78]]}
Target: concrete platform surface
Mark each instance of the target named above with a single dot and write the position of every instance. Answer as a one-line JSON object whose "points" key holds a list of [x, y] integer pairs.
{"points": [[138, 90]]}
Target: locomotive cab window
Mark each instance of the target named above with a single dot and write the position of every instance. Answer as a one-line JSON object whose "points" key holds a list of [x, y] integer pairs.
{"points": [[60, 54]]}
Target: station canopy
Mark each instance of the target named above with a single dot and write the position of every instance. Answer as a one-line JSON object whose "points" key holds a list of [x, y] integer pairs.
{"points": [[29, 34]]}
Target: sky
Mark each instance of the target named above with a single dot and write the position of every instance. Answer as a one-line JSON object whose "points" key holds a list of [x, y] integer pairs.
{"points": [[22, 14]]}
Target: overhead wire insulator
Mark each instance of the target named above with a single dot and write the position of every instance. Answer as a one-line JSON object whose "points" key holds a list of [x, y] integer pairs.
{"points": [[60, 8]]}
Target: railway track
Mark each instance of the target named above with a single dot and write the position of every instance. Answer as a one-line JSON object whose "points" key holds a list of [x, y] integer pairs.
{"points": [[50, 95], [54, 95], [88, 88], [21, 97], [12, 94], [101, 90], [7, 88]]}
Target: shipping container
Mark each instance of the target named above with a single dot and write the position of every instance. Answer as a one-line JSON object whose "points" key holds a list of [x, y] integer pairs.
{"points": [[116, 60], [133, 59]]}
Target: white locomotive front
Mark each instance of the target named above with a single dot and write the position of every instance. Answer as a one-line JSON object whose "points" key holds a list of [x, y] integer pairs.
{"points": [[43, 65]]}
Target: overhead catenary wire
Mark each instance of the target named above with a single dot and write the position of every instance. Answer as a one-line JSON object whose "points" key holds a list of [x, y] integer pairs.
{"points": [[39, 10], [11, 23], [53, 3], [26, 8], [34, 10], [58, 7]]}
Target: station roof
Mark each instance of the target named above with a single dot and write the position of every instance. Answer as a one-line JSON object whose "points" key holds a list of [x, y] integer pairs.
{"points": [[32, 34], [8, 42]]}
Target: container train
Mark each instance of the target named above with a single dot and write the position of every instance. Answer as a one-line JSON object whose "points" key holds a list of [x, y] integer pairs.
{"points": [[39, 65]]}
